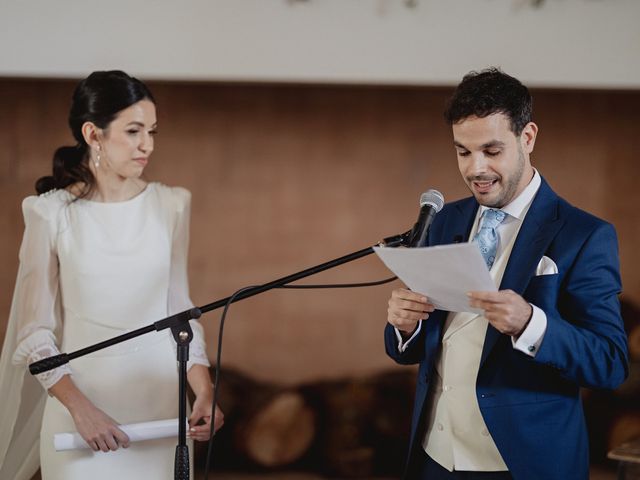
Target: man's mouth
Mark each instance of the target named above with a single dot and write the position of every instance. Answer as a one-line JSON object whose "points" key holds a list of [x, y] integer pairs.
{"points": [[484, 186]]}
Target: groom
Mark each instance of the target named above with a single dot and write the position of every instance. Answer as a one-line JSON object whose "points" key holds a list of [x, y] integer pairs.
{"points": [[498, 394]]}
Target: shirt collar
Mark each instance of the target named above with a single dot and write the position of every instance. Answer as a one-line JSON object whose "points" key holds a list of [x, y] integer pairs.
{"points": [[519, 206]]}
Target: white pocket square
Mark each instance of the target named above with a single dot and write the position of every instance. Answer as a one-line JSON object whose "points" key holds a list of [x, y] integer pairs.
{"points": [[546, 266]]}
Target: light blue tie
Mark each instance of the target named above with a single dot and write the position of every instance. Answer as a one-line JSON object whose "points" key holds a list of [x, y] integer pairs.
{"points": [[487, 237]]}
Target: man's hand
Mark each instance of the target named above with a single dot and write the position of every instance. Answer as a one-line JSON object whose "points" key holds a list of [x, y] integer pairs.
{"points": [[507, 311], [406, 309]]}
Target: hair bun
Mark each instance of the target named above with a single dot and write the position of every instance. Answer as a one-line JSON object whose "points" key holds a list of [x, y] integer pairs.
{"points": [[68, 168], [45, 184]]}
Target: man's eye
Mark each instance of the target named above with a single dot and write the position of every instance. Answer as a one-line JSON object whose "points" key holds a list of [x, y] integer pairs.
{"points": [[492, 153], [463, 154]]}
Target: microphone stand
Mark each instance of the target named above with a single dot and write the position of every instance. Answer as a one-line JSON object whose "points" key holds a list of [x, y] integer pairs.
{"points": [[182, 333]]}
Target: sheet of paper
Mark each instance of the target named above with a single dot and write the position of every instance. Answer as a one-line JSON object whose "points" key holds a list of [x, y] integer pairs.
{"points": [[443, 273], [136, 431]]}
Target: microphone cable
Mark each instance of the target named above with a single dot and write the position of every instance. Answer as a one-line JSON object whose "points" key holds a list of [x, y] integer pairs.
{"points": [[216, 380], [343, 285], [223, 316]]}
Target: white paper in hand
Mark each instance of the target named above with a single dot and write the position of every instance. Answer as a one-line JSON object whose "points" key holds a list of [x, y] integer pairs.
{"points": [[444, 273], [136, 432]]}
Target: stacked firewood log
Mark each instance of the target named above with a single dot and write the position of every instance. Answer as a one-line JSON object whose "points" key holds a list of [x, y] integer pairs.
{"points": [[349, 428]]}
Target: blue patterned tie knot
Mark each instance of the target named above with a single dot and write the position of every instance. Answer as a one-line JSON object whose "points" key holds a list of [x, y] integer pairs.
{"points": [[487, 237]]}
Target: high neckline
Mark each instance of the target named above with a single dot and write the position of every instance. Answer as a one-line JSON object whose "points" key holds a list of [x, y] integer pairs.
{"points": [[141, 194]]}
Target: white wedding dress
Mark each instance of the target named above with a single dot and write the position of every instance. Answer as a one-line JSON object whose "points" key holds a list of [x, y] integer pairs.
{"points": [[90, 271]]}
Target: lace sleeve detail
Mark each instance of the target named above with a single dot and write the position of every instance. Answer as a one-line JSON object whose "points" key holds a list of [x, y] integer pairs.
{"points": [[50, 378]]}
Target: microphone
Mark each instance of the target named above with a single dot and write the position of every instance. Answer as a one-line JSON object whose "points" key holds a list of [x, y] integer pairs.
{"points": [[431, 202]]}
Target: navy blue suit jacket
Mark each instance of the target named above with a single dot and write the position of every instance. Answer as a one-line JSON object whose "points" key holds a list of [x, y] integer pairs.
{"points": [[532, 406]]}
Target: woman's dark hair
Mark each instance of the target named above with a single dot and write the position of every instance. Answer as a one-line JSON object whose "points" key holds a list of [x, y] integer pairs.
{"points": [[97, 99], [487, 92]]}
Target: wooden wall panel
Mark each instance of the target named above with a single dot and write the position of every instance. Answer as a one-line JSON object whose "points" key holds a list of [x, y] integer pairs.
{"points": [[286, 177]]}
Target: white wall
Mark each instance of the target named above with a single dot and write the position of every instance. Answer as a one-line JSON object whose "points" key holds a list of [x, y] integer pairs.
{"points": [[565, 43]]}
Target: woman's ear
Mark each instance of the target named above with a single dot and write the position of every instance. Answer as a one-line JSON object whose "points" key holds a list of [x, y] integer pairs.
{"points": [[91, 134]]}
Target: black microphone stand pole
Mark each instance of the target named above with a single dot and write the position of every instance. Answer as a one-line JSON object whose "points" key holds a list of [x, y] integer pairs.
{"points": [[183, 336], [181, 330]]}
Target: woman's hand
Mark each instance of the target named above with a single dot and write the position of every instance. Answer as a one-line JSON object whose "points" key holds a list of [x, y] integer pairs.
{"points": [[200, 419], [99, 430]]}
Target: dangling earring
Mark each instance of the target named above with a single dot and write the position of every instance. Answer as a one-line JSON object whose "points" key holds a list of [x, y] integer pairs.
{"points": [[96, 162]]}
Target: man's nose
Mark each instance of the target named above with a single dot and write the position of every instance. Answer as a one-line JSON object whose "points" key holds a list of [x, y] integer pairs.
{"points": [[478, 164]]}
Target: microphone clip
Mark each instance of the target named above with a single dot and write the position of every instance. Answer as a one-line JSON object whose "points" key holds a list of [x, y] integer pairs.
{"points": [[400, 240]]}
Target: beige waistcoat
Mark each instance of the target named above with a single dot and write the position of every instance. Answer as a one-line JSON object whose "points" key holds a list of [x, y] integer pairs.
{"points": [[456, 436]]}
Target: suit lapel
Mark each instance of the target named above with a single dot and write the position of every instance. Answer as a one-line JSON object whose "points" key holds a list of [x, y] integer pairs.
{"points": [[539, 228], [459, 222]]}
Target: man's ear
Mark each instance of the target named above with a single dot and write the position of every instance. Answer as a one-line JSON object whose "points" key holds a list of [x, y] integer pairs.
{"points": [[528, 137]]}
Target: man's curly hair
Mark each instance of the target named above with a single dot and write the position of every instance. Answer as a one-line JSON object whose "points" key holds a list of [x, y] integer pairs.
{"points": [[487, 92]]}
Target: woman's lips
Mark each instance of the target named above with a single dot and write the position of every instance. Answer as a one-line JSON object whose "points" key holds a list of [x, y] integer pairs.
{"points": [[142, 161]]}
